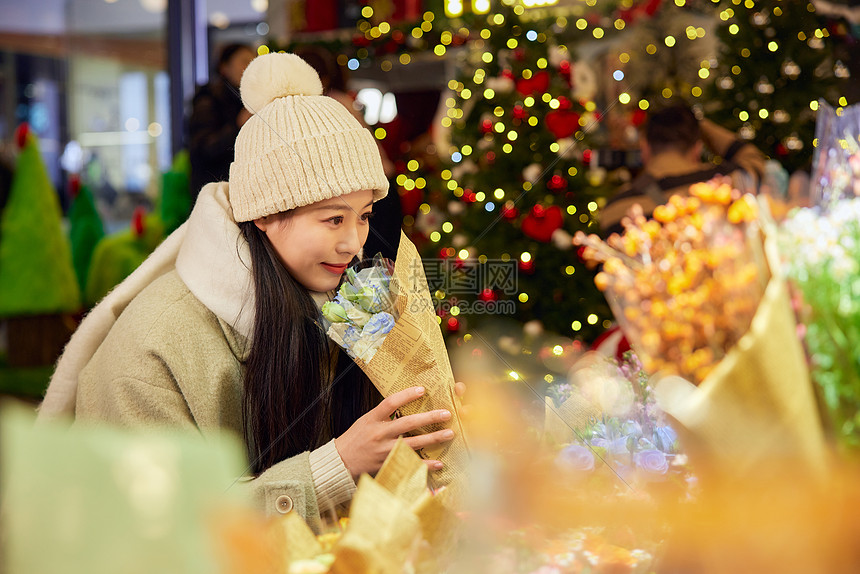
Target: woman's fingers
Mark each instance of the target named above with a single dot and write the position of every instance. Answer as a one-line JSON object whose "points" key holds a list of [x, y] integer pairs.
{"points": [[391, 403], [433, 464], [429, 439], [409, 423], [460, 389]]}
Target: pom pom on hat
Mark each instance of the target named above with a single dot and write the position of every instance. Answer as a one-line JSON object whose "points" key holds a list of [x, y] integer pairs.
{"points": [[274, 76], [297, 150]]}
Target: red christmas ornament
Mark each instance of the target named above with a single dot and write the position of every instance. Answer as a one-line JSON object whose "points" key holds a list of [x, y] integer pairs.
{"points": [[398, 36], [486, 126], [488, 295], [491, 156], [519, 112], [638, 118], [562, 123], [507, 74], [21, 135], [410, 200], [453, 325], [564, 103], [510, 212], [537, 84], [557, 183], [137, 223], [360, 40], [781, 150], [469, 196], [542, 222], [527, 266], [586, 157], [74, 185]]}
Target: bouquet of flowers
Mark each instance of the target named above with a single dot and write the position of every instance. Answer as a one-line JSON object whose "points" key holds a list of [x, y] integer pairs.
{"points": [[699, 293], [630, 435], [383, 317], [362, 313], [821, 248], [685, 285]]}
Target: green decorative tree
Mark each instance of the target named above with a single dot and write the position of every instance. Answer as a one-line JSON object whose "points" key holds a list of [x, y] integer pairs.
{"points": [[118, 255], [175, 204], [776, 62], [86, 229], [36, 274], [516, 184]]}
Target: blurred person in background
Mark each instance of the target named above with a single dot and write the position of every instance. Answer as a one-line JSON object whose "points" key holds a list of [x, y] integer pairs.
{"points": [[216, 116], [672, 145]]}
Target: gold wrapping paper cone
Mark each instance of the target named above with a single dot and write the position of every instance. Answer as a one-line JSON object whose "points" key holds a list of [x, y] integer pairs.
{"points": [[756, 411], [414, 354], [381, 535], [403, 473]]}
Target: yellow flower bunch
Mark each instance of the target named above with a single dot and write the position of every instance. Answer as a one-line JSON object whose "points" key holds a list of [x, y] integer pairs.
{"points": [[685, 284]]}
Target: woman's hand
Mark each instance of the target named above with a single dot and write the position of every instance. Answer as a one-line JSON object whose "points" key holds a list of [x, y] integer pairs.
{"points": [[366, 444]]}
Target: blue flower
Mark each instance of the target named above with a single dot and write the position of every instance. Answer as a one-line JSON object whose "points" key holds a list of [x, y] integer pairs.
{"points": [[379, 324], [653, 462], [576, 457]]}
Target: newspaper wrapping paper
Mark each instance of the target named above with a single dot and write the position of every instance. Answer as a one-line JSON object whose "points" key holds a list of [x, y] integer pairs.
{"points": [[414, 354], [758, 405], [396, 524]]}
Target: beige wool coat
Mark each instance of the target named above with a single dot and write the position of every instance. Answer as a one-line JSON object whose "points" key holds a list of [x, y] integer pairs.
{"points": [[171, 353]]}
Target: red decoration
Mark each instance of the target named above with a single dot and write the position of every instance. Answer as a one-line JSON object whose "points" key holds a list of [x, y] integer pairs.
{"points": [[74, 185], [21, 134], [510, 212], [781, 150], [453, 325], [406, 10], [321, 15], [137, 223], [542, 222], [564, 103], [638, 118], [491, 156], [537, 84], [488, 295], [486, 126], [565, 71], [519, 112], [557, 183], [410, 200], [527, 266], [586, 157], [507, 74], [360, 40], [562, 123], [644, 9]]}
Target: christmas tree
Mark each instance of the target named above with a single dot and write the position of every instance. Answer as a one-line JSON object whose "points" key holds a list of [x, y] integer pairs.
{"points": [[515, 181], [86, 229], [36, 274], [776, 63]]}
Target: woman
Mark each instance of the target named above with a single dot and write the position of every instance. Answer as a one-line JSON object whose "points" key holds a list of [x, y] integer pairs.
{"points": [[219, 328]]}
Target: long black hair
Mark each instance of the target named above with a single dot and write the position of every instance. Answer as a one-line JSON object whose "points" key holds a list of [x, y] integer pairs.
{"points": [[298, 391]]}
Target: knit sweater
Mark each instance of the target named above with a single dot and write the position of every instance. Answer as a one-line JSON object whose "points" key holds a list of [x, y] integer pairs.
{"points": [[174, 356]]}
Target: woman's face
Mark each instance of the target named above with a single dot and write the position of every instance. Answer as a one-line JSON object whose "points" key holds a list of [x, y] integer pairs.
{"points": [[316, 242]]}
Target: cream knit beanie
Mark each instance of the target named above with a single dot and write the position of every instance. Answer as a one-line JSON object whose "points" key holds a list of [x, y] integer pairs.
{"points": [[299, 147]]}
